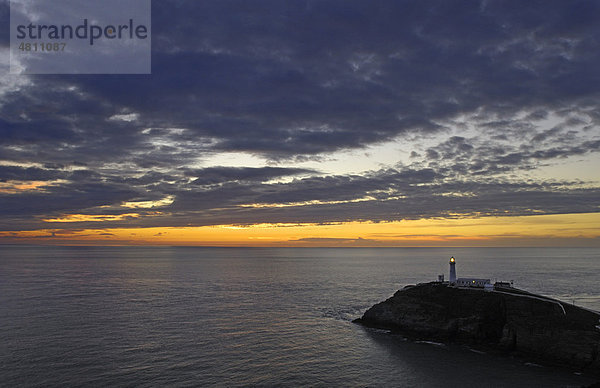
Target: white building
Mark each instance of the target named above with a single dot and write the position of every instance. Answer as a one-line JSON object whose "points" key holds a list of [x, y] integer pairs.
{"points": [[452, 270], [467, 282], [472, 282]]}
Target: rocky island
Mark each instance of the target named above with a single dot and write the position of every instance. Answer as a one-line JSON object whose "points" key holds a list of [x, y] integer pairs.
{"points": [[495, 316]]}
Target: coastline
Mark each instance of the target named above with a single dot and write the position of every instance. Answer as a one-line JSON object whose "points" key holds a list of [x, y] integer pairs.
{"points": [[507, 321]]}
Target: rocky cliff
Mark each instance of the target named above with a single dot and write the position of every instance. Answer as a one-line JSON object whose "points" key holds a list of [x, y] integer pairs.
{"points": [[507, 319]]}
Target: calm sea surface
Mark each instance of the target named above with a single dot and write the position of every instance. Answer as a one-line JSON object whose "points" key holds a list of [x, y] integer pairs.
{"points": [[254, 317]]}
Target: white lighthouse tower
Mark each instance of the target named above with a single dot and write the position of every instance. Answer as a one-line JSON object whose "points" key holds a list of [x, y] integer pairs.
{"points": [[452, 270]]}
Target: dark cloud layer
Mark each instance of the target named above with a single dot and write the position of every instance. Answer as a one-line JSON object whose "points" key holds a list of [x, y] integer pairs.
{"points": [[286, 81]]}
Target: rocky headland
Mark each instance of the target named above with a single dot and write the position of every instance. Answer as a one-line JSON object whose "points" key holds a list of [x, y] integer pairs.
{"points": [[506, 319]]}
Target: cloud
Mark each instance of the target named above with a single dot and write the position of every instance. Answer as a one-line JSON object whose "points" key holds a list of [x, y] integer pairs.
{"points": [[220, 174], [382, 71], [385, 195], [481, 95]]}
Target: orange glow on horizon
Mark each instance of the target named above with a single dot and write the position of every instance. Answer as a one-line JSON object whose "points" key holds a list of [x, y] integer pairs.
{"points": [[543, 230]]}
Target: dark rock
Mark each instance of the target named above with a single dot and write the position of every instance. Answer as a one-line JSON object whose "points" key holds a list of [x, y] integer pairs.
{"points": [[506, 319]]}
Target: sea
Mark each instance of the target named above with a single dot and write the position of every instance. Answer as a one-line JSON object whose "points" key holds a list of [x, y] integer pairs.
{"points": [[257, 317]]}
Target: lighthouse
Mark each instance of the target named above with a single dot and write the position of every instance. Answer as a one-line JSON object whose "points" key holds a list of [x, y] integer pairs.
{"points": [[452, 270]]}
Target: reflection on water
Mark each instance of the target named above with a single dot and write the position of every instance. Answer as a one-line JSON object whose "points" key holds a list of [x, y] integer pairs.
{"points": [[210, 316], [432, 365]]}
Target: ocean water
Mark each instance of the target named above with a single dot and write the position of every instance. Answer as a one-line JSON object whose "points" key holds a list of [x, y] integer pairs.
{"points": [[162, 316]]}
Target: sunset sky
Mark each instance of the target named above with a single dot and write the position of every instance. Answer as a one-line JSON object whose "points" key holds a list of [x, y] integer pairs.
{"points": [[317, 123]]}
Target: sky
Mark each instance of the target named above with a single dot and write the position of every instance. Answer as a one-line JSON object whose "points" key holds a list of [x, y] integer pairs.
{"points": [[317, 123]]}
